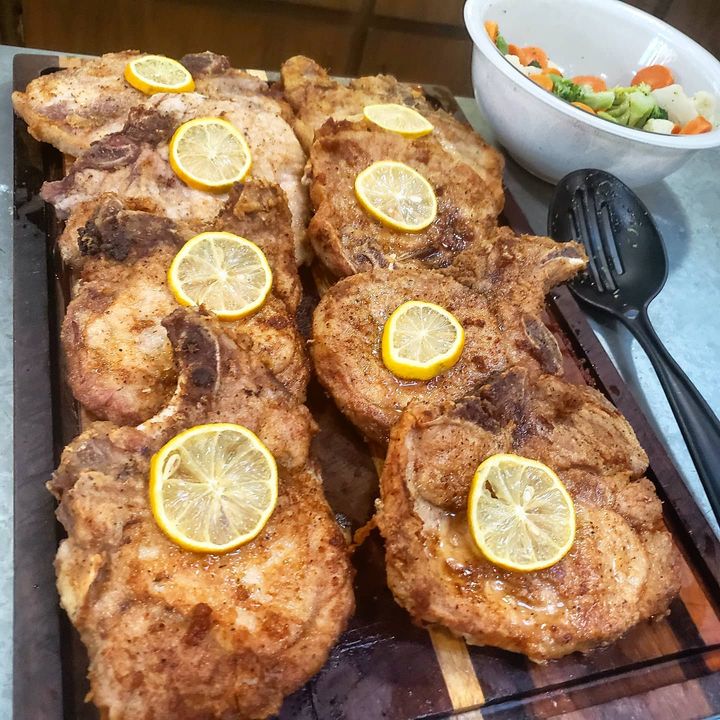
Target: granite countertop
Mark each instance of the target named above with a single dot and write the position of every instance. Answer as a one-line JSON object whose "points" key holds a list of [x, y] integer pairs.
{"points": [[686, 315]]}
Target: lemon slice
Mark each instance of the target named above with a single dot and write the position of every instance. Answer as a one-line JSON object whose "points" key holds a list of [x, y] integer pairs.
{"points": [[399, 119], [396, 195], [225, 273], [421, 340], [520, 514], [157, 73], [213, 487], [209, 154]]}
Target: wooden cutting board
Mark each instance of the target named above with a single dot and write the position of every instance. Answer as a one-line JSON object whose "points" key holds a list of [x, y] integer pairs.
{"points": [[383, 666]]}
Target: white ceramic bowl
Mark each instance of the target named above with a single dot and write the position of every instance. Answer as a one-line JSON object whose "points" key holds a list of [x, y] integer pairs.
{"points": [[550, 137]]}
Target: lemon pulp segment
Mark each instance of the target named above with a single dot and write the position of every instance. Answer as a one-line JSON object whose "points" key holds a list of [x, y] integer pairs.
{"points": [[521, 517], [213, 487], [227, 274], [421, 340], [398, 118], [157, 73], [209, 154], [397, 195]]}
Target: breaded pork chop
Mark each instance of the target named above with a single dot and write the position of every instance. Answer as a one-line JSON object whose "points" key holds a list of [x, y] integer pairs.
{"points": [[315, 97], [347, 332], [622, 568], [254, 209], [175, 634], [515, 272], [503, 328], [75, 107], [133, 163], [348, 240], [119, 359]]}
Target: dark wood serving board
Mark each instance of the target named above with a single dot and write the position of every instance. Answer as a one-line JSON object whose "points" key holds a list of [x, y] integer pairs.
{"points": [[383, 666]]}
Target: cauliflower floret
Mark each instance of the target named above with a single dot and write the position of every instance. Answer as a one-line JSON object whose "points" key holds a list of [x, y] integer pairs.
{"points": [[679, 107], [656, 125], [705, 104], [515, 60]]}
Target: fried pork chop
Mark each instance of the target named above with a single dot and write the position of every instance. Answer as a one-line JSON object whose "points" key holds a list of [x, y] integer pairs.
{"points": [[622, 568], [119, 359], [502, 327], [133, 162], [174, 634], [315, 97], [515, 272], [75, 107], [348, 240], [254, 209]]}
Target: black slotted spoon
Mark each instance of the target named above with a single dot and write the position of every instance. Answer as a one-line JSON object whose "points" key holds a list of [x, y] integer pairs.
{"points": [[626, 271]]}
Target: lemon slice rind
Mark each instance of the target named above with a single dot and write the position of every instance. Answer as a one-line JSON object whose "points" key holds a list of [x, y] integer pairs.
{"points": [[198, 275], [394, 334], [389, 185], [145, 73], [399, 119], [501, 519], [209, 153], [162, 504]]}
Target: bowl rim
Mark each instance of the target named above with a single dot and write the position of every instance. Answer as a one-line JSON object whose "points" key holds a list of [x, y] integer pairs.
{"points": [[482, 43]]}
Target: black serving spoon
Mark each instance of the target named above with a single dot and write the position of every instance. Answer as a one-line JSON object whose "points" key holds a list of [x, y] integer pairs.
{"points": [[627, 269]]}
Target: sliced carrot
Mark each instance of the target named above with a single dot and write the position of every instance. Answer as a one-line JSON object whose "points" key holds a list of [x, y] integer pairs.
{"points": [[584, 107], [553, 71], [532, 53], [656, 76], [513, 50], [492, 29], [697, 126], [676, 129], [596, 83], [544, 81]]}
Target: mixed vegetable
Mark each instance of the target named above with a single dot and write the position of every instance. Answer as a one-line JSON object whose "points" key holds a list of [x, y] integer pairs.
{"points": [[653, 101]]}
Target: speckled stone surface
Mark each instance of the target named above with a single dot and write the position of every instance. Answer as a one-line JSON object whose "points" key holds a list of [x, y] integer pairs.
{"points": [[686, 314], [6, 378]]}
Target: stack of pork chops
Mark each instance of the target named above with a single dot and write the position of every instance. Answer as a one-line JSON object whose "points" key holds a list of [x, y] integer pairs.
{"points": [[174, 634]]}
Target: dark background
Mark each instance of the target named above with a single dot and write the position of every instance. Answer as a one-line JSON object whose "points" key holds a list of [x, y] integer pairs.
{"points": [[417, 40]]}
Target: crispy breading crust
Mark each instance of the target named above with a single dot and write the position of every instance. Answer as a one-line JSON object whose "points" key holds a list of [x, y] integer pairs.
{"points": [[133, 162], [119, 359], [623, 567], [74, 107], [499, 304], [348, 240], [314, 96], [464, 170], [177, 634], [347, 328]]}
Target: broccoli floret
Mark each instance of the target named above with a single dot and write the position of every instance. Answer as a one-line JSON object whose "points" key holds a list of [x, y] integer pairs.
{"points": [[658, 113], [598, 101], [501, 44], [633, 105], [607, 116], [566, 89], [641, 107]]}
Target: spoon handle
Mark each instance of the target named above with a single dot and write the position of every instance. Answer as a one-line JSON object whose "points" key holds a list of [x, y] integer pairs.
{"points": [[698, 423]]}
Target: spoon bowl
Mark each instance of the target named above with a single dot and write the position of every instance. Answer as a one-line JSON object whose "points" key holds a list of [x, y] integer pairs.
{"points": [[627, 261]]}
